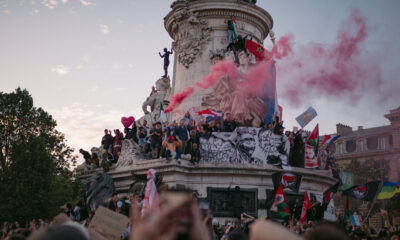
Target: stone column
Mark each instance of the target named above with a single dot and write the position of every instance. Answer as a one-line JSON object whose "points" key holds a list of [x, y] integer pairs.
{"points": [[394, 118], [199, 30]]}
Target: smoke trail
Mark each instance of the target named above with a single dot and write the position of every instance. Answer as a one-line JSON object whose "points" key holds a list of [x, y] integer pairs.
{"points": [[334, 71], [218, 70], [176, 99]]}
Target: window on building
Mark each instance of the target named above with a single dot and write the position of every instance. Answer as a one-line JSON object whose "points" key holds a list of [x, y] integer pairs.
{"points": [[340, 148], [372, 143], [360, 145], [350, 146], [382, 143]]}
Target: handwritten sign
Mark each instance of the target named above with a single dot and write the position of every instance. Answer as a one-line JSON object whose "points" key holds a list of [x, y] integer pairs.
{"points": [[109, 223]]}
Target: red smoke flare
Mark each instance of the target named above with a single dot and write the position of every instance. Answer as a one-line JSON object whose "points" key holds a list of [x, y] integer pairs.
{"points": [[176, 99], [217, 71]]}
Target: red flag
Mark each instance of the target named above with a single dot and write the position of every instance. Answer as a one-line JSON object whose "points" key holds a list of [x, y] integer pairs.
{"points": [[256, 49], [280, 112], [280, 205], [306, 206]]}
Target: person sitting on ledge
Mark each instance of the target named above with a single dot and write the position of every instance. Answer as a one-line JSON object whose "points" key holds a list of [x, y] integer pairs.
{"points": [[172, 147], [195, 154]]}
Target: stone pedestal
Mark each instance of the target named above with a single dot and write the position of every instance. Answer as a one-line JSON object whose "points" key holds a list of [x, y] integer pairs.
{"points": [[205, 178], [199, 30]]}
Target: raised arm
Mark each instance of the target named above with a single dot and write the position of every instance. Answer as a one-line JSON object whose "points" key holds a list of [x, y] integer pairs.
{"points": [[161, 56]]}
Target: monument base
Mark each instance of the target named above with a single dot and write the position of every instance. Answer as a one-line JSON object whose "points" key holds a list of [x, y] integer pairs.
{"points": [[210, 181]]}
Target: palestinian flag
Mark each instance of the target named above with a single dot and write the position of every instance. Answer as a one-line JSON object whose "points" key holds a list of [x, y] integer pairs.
{"points": [[280, 205], [232, 26], [286, 180], [328, 194], [388, 190], [306, 207], [313, 140], [256, 49], [346, 211], [364, 192]]}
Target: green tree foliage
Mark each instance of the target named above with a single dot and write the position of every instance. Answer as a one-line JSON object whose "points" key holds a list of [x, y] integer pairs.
{"points": [[34, 161]]}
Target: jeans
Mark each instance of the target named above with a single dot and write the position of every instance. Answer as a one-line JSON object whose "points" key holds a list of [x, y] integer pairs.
{"points": [[168, 154], [178, 153], [141, 141]]}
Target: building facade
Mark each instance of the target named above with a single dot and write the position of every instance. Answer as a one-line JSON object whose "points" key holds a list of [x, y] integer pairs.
{"points": [[378, 143]]}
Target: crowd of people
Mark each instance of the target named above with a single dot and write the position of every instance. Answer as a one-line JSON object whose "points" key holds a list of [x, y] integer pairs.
{"points": [[187, 220], [161, 140], [172, 140]]}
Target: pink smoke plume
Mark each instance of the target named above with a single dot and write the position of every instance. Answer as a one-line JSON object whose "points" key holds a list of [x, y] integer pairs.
{"points": [[340, 70], [255, 80], [176, 99], [218, 70]]}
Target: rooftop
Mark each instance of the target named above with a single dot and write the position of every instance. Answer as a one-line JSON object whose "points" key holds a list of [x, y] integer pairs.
{"points": [[368, 132]]}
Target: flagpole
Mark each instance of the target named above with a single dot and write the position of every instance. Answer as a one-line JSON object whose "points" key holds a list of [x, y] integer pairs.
{"points": [[373, 203]]}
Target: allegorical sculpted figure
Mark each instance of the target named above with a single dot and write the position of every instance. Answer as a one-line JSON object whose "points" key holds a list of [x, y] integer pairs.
{"points": [[166, 60]]}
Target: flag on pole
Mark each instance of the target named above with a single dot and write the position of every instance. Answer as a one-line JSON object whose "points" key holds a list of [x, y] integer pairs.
{"points": [[151, 201], [287, 180], [347, 180], [364, 192], [355, 220], [280, 113], [280, 205], [210, 115], [311, 150], [313, 139], [329, 138], [306, 207], [256, 49], [328, 194], [306, 117], [269, 96], [388, 190], [346, 211]]}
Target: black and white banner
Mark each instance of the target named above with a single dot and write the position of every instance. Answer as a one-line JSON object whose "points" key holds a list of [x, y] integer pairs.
{"points": [[245, 145]]}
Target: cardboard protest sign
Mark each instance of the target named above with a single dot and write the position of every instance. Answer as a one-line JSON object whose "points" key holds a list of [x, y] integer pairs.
{"points": [[109, 223]]}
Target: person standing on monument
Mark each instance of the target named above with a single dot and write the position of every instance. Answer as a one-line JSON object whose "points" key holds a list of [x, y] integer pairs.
{"points": [[166, 60], [182, 134], [155, 135]]}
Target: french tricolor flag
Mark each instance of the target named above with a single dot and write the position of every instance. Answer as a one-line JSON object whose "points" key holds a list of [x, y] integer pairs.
{"points": [[210, 115]]}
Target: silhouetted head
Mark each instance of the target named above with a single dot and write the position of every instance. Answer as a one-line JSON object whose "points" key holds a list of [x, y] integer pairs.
{"points": [[165, 49]]}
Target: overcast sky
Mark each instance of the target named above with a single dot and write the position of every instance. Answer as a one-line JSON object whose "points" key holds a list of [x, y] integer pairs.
{"points": [[91, 62]]}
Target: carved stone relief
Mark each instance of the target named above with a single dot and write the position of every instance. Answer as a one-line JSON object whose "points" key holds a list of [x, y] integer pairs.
{"points": [[191, 33]]}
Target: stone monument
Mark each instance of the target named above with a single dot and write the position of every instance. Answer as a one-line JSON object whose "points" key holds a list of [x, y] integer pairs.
{"points": [[241, 158], [199, 33]]}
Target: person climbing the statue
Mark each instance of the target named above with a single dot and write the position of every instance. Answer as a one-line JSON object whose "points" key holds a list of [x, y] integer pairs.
{"points": [[232, 35], [166, 60]]}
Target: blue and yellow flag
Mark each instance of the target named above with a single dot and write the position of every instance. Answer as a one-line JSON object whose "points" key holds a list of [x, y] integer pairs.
{"points": [[388, 190]]}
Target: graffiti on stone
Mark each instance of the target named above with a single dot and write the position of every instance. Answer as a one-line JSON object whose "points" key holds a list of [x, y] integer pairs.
{"points": [[245, 145]]}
